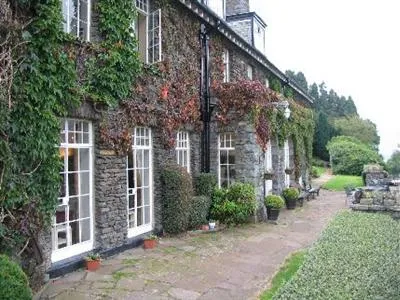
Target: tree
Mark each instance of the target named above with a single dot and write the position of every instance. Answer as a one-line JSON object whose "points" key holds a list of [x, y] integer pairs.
{"points": [[324, 131], [363, 130], [393, 163], [348, 155], [299, 78]]}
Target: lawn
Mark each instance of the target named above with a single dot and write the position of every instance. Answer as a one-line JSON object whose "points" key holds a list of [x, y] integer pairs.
{"points": [[289, 268], [356, 257], [340, 182]]}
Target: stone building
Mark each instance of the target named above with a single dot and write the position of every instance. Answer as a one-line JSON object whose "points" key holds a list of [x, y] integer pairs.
{"points": [[108, 202]]}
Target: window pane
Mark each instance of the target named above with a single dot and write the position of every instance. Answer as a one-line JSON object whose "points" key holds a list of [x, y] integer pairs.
{"points": [[131, 219], [75, 232], [73, 187], [139, 198], [73, 208], [146, 196], [85, 230], [147, 215], [131, 201], [61, 214], [85, 207], [85, 183], [139, 216], [224, 157]]}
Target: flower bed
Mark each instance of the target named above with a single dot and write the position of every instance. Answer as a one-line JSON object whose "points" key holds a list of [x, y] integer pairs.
{"points": [[356, 257]]}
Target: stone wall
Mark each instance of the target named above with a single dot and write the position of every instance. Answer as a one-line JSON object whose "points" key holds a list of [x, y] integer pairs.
{"points": [[243, 28], [110, 199]]}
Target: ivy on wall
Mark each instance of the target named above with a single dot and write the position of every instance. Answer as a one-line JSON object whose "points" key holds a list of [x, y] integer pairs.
{"points": [[52, 73], [166, 94]]}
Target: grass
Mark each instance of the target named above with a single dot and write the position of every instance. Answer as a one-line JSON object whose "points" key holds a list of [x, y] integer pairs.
{"points": [[289, 268], [356, 257], [340, 182]]}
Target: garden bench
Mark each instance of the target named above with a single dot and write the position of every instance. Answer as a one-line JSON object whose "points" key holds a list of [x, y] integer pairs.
{"points": [[304, 195], [314, 191]]}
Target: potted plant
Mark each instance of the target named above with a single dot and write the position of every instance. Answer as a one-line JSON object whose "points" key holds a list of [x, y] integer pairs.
{"points": [[274, 203], [150, 241], [92, 261], [288, 171], [290, 194]]}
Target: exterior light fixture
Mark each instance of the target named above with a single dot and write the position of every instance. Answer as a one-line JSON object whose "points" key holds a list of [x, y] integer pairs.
{"points": [[283, 106]]}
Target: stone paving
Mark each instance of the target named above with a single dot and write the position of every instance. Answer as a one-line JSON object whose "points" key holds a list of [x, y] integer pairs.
{"points": [[234, 263]]}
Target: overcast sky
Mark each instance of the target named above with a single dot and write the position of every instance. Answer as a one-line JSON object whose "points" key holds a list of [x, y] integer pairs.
{"points": [[354, 46]]}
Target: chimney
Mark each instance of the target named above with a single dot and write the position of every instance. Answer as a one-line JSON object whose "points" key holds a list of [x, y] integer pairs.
{"points": [[235, 7]]}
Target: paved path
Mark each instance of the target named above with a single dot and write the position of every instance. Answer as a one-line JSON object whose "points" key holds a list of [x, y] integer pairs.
{"points": [[231, 264]]}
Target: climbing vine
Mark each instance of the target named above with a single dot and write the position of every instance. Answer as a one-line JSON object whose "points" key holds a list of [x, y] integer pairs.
{"points": [[165, 95]]}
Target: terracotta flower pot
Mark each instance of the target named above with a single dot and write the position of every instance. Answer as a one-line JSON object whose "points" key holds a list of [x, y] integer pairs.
{"points": [[92, 265], [205, 227], [149, 243]]}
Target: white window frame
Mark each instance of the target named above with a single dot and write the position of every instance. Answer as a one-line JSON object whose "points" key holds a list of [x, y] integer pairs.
{"points": [[250, 72], [266, 82], [67, 16], [146, 227], [72, 250], [182, 149], [151, 34], [287, 161], [228, 140], [225, 57], [142, 5]]}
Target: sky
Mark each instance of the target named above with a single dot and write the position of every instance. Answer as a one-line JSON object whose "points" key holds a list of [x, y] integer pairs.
{"points": [[353, 46]]}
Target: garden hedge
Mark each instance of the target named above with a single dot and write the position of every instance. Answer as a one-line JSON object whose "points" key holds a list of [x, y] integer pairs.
{"points": [[234, 205], [13, 281], [204, 184], [356, 257], [177, 191], [199, 210]]}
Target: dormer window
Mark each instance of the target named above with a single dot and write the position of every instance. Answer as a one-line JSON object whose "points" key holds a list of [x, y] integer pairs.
{"points": [[259, 35], [217, 6]]}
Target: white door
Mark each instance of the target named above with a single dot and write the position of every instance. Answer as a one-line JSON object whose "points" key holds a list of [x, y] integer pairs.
{"points": [[140, 182], [268, 168], [72, 232], [287, 162]]}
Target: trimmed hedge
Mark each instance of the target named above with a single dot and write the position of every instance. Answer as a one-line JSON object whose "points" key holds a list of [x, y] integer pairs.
{"points": [[199, 210], [204, 184], [290, 193], [274, 201], [234, 205], [177, 193], [356, 257], [13, 281]]}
